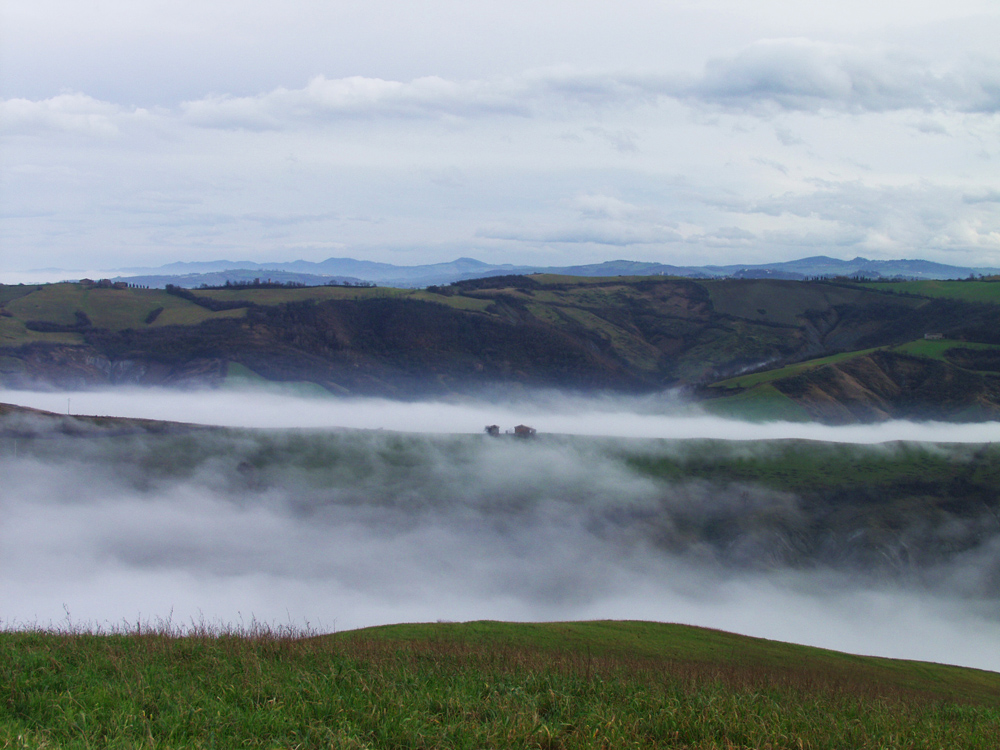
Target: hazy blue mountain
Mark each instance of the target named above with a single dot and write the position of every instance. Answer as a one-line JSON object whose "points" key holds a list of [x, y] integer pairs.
{"points": [[192, 274]]}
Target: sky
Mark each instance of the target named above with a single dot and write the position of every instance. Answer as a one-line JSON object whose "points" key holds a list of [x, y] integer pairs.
{"points": [[140, 132]]}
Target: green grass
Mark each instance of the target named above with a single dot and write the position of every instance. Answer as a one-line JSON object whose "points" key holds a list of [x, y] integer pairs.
{"points": [[238, 376], [114, 309], [768, 376], [555, 278], [967, 291], [324, 293], [759, 404], [299, 294], [756, 381], [13, 333], [479, 685], [9, 292], [905, 472], [936, 349], [782, 302]]}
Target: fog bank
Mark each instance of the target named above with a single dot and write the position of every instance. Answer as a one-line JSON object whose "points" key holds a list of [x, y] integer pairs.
{"points": [[342, 530], [664, 416]]}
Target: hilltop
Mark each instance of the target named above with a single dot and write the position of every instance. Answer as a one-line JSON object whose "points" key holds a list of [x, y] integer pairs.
{"points": [[837, 351], [483, 685]]}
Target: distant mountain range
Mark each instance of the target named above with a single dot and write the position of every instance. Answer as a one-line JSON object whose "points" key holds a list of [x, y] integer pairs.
{"points": [[350, 270]]}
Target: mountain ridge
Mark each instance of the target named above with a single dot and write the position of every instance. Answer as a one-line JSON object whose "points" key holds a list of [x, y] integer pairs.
{"points": [[191, 274]]}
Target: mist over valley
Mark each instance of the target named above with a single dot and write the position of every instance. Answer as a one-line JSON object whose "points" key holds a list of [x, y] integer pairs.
{"points": [[871, 547]]}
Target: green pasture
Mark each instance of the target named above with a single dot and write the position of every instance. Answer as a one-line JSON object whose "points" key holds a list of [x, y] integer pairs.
{"points": [[239, 377], [555, 278], [967, 291], [907, 472], [937, 348], [767, 376], [114, 309], [931, 348], [759, 299], [479, 685], [13, 333], [324, 293], [297, 294], [758, 404], [10, 292]]}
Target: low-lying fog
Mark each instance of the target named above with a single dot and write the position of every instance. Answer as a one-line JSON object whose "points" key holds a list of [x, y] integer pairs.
{"points": [[345, 529], [665, 416]]}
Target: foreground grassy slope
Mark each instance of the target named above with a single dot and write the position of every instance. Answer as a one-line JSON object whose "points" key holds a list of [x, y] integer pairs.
{"points": [[480, 685]]}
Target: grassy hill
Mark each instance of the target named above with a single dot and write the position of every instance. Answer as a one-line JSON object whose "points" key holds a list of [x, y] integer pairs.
{"points": [[480, 685], [970, 291], [630, 334]]}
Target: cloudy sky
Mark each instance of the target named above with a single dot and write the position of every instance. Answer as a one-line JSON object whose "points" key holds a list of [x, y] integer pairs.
{"points": [[139, 132]]}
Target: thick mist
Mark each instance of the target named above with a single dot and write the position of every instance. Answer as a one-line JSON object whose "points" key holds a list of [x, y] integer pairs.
{"points": [[341, 529], [659, 416]]}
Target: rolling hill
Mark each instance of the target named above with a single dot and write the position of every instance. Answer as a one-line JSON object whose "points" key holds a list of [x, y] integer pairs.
{"points": [[764, 348], [479, 684]]}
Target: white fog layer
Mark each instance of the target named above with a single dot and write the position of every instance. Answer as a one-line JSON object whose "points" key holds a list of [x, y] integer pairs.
{"points": [[339, 530], [665, 416]]}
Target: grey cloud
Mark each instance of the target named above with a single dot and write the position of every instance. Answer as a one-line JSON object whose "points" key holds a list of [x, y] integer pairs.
{"points": [[799, 74], [611, 233], [987, 196], [786, 137], [771, 75]]}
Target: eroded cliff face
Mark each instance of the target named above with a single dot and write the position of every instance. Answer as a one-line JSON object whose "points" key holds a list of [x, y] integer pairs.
{"points": [[888, 385], [67, 366]]}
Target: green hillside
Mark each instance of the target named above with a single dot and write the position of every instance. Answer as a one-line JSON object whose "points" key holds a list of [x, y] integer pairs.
{"points": [[968, 291], [480, 685], [968, 367], [625, 334]]}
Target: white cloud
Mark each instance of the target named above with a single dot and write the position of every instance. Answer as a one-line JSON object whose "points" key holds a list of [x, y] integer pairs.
{"points": [[764, 77], [893, 220], [598, 233], [355, 96], [606, 207], [71, 113]]}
